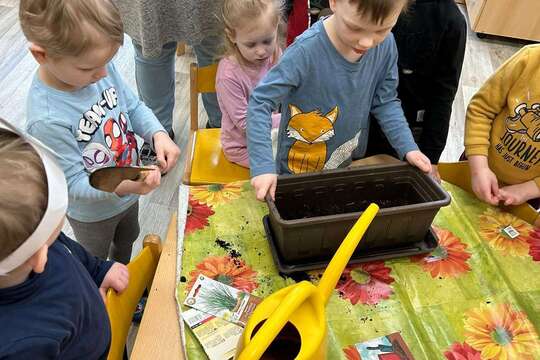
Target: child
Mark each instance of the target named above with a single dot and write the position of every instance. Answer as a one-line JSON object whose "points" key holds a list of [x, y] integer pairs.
{"points": [[251, 32], [79, 106], [50, 305], [502, 132], [430, 39], [328, 82]]}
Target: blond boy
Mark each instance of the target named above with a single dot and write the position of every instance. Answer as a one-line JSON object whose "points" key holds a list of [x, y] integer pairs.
{"points": [[80, 107], [328, 83], [50, 304]]}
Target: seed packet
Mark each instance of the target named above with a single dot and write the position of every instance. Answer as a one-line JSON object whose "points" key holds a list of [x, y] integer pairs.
{"points": [[221, 300], [389, 347], [218, 337]]}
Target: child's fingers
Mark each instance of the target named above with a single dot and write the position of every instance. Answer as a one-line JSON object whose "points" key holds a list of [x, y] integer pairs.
{"points": [[273, 189], [261, 191]]}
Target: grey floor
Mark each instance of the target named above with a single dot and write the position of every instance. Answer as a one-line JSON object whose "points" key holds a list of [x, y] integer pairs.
{"points": [[17, 68]]}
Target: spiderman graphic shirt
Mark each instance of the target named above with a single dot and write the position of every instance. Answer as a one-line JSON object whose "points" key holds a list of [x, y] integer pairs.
{"points": [[88, 129]]}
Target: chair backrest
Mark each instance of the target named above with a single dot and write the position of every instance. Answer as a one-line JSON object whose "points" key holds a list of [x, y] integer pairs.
{"points": [[201, 80], [458, 173], [122, 306]]}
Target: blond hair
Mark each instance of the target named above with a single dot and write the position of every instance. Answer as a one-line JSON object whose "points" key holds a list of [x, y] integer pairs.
{"points": [[67, 27], [379, 10], [23, 191], [236, 13]]}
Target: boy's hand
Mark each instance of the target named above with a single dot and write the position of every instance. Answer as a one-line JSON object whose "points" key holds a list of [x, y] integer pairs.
{"points": [[435, 173], [117, 278], [264, 184], [151, 181], [166, 150], [418, 159], [483, 181], [519, 193]]}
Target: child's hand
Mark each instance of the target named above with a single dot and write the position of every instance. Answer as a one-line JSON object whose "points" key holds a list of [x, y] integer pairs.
{"points": [[483, 181], [435, 173], [151, 181], [166, 150], [519, 193], [418, 159], [264, 184], [117, 278]]}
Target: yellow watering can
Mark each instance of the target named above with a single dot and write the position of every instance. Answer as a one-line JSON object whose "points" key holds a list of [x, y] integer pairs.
{"points": [[291, 322]]}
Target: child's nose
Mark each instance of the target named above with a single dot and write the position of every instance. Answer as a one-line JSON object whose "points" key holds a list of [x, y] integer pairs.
{"points": [[101, 73], [366, 42]]}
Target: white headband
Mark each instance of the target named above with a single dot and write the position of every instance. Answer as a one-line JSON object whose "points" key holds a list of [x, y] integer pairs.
{"points": [[56, 206]]}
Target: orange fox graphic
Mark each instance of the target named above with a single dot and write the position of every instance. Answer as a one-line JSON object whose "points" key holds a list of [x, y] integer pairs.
{"points": [[311, 131], [525, 121]]}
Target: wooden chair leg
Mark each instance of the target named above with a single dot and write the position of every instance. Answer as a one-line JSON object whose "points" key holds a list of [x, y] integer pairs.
{"points": [[180, 49]]}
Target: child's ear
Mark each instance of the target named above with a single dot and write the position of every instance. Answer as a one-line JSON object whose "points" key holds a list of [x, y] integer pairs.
{"points": [[230, 36], [332, 4], [38, 261], [39, 53]]}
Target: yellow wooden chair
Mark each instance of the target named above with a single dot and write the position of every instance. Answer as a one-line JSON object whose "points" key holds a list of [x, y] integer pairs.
{"points": [[458, 173], [122, 306], [205, 161]]}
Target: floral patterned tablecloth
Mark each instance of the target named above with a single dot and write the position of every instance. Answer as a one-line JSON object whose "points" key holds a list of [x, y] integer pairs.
{"points": [[477, 296]]}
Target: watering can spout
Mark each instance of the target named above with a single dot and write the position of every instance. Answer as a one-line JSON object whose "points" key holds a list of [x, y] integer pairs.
{"points": [[302, 305], [343, 254]]}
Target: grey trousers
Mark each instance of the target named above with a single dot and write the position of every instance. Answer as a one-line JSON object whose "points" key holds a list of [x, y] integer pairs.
{"points": [[111, 238]]}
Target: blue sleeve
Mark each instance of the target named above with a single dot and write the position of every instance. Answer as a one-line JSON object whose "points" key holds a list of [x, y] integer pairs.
{"points": [[386, 107], [144, 122], [31, 348], [96, 267], [61, 139], [280, 81]]}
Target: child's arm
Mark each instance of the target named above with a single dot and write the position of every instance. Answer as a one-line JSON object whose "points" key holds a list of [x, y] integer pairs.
{"points": [[281, 80], [386, 108], [520, 193], [484, 107], [233, 101], [62, 141], [106, 274], [442, 89], [146, 125], [96, 267]]}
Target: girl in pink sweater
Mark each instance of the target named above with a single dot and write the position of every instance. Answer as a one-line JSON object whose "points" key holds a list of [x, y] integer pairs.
{"points": [[251, 32]]}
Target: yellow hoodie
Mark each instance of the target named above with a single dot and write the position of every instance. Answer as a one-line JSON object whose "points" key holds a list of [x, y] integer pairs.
{"points": [[503, 119]]}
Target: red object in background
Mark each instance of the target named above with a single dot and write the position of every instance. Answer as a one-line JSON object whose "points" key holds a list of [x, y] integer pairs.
{"points": [[298, 20]]}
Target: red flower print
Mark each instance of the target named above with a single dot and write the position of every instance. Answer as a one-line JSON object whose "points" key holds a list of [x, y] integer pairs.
{"points": [[367, 283], [227, 270], [449, 259], [463, 351], [197, 216], [534, 244], [351, 353]]}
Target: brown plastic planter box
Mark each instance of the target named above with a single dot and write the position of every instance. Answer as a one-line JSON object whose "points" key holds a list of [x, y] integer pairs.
{"points": [[313, 212]]}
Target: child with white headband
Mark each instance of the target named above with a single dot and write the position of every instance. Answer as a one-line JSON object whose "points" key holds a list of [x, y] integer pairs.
{"points": [[50, 304]]}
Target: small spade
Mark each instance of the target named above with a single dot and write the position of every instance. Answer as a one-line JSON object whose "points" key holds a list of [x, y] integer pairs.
{"points": [[108, 178]]}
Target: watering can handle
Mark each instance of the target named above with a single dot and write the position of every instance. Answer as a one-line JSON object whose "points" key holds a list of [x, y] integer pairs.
{"points": [[277, 320], [344, 252]]}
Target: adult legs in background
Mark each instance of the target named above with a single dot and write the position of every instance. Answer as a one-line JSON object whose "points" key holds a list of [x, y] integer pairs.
{"points": [[206, 53], [155, 82]]}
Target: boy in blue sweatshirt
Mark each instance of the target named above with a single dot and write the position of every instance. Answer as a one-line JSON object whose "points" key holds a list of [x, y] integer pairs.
{"points": [[50, 303], [328, 82], [80, 107]]}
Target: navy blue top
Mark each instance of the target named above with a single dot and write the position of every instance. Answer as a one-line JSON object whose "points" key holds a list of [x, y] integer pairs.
{"points": [[59, 313]]}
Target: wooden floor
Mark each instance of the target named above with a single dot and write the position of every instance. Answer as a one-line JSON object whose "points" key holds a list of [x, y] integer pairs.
{"points": [[17, 68]]}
